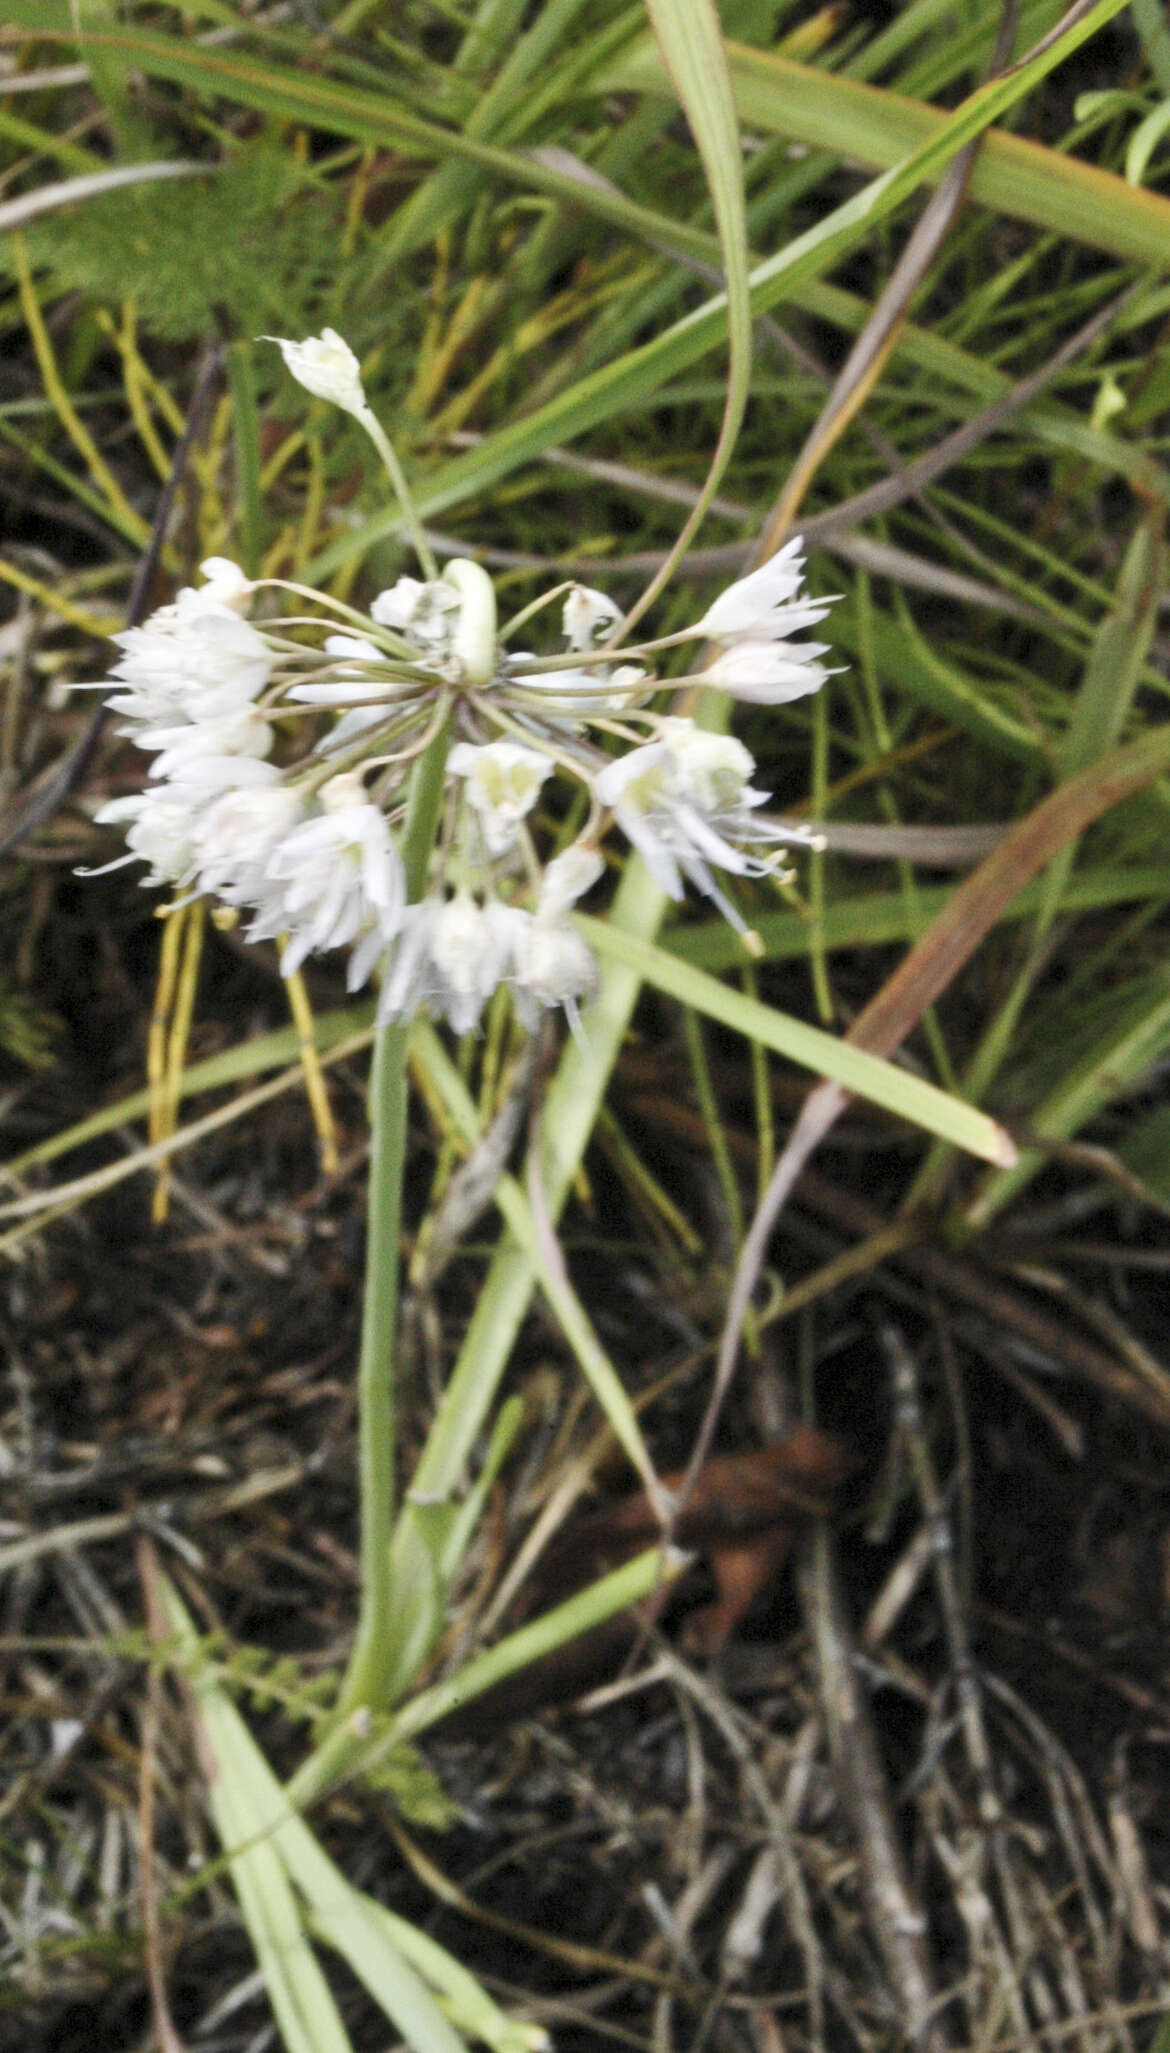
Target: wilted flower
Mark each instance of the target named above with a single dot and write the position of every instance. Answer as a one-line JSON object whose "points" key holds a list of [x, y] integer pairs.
{"points": [[554, 966]]}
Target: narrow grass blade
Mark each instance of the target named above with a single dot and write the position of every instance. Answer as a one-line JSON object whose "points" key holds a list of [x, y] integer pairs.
{"points": [[691, 42], [1021, 179], [277, 1850], [610, 1594], [900, 1093]]}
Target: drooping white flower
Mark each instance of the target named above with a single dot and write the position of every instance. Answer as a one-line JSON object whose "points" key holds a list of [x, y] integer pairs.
{"points": [[554, 966], [473, 950], [768, 673], [159, 827], [587, 616], [235, 837], [244, 732], [685, 802], [326, 366], [405, 984], [334, 878], [502, 780], [451, 956]]}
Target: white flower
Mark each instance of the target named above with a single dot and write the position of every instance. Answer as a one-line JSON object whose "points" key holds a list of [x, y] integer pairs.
{"points": [[405, 984], [574, 694], [159, 826], [451, 957], [236, 835], [684, 801], [350, 684], [326, 366], [424, 613], [334, 879], [768, 673], [750, 606], [205, 777], [472, 951], [189, 661], [503, 781], [243, 733], [756, 617], [587, 616], [554, 966], [226, 584]]}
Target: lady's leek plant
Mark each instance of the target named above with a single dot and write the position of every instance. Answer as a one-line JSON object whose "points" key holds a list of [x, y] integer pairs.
{"points": [[411, 786]]}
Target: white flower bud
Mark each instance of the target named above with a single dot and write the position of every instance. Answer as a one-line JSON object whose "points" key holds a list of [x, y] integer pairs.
{"points": [[555, 967], [226, 584], [567, 878], [326, 366]]}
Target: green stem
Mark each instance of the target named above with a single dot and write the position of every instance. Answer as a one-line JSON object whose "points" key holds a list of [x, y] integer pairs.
{"points": [[366, 1680], [369, 1662], [389, 456]]}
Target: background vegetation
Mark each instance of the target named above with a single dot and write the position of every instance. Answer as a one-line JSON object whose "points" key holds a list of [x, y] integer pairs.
{"points": [[502, 208]]}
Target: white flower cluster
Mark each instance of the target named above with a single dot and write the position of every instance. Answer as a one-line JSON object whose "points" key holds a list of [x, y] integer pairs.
{"points": [[305, 840]]}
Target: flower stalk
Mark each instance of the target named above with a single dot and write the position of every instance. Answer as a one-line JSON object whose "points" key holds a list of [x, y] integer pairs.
{"points": [[366, 1682]]}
